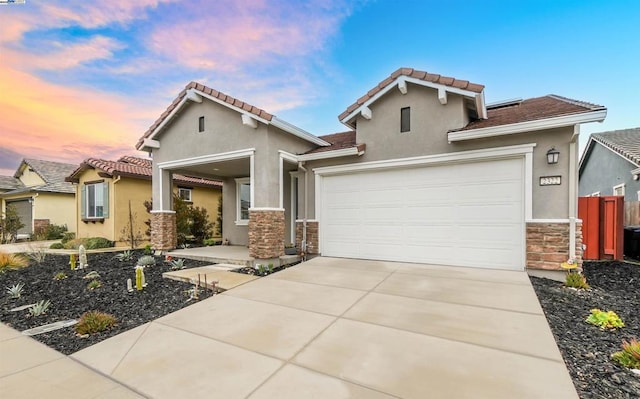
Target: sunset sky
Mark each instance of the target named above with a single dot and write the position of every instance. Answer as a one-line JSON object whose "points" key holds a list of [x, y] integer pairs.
{"points": [[85, 78]]}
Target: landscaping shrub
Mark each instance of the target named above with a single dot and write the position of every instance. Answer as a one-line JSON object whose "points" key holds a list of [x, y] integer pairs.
{"points": [[9, 224], [192, 223], [576, 280], [89, 243], [68, 237], [605, 320], [629, 356], [51, 232], [56, 245], [94, 322], [12, 262]]}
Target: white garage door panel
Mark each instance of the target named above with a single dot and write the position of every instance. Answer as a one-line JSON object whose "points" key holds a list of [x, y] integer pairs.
{"points": [[468, 214]]}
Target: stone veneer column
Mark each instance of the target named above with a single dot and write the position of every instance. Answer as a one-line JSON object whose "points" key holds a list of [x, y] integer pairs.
{"points": [[163, 230], [266, 233], [312, 236], [548, 245]]}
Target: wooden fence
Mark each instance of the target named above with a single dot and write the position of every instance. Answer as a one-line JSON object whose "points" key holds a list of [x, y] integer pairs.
{"points": [[632, 213]]}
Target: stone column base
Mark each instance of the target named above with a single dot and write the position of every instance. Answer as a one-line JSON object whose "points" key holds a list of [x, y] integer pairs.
{"points": [[163, 230], [266, 233], [548, 245], [312, 236]]}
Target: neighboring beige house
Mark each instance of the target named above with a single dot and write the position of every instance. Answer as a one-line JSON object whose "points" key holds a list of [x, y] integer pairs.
{"points": [[427, 172], [40, 194], [106, 190]]}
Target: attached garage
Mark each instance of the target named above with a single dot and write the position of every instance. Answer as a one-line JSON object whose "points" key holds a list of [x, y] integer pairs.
{"points": [[24, 210], [468, 213]]}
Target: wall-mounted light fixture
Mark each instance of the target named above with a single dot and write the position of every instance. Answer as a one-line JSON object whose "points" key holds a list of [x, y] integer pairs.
{"points": [[552, 156]]}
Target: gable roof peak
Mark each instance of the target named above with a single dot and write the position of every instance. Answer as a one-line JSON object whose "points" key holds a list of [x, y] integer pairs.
{"points": [[625, 142]]}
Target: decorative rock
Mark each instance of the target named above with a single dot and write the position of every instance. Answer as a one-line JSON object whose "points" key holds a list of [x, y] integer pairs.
{"points": [[49, 327], [23, 307]]}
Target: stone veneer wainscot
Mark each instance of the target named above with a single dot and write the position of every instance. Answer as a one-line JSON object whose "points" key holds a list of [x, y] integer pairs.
{"points": [[548, 245], [266, 233]]}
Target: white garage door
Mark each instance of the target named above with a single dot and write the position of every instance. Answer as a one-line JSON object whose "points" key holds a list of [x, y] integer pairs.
{"points": [[466, 214]]}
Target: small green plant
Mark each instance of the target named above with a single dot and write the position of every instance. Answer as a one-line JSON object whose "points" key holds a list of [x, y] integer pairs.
{"points": [[94, 284], [56, 245], [212, 241], [91, 275], [146, 261], [60, 276], [185, 245], [66, 237], [576, 280], [37, 254], [605, 320], [270, 268], [12, 262], [15, 291], [177, 264], [94, 322], [39, 308], [629, 356], [89, 243], [125, 256], [148, 249]]}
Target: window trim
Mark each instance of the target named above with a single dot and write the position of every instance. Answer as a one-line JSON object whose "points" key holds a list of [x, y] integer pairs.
{"points": [[407, 128], [239, 183], [617, 187], [186, 189], [93, 184]]}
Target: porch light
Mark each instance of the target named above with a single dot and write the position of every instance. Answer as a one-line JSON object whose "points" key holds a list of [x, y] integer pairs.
{"points": [[552, 156]]}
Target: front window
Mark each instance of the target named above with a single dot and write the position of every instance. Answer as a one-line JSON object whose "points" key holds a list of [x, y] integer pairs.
{"points": [[95, 200], [184, 194], [243, 200]]}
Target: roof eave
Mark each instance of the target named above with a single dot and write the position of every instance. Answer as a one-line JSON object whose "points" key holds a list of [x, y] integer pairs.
{"points": [[344, 152], [478, 97], [529, 126]]}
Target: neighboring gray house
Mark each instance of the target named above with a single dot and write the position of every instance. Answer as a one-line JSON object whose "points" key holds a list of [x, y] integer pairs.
{"points": [[427, 172], [610, 165], [40, 194]]}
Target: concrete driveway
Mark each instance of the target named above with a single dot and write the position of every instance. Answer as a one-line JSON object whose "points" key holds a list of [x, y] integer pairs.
{"points": [[339, 328]]}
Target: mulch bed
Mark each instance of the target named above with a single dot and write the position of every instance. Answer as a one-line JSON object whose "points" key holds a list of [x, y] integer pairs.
{"points": [[70, 297], [585, 348]]}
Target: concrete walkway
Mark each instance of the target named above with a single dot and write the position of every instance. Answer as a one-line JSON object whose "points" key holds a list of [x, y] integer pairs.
{"points": [[337, 328]]}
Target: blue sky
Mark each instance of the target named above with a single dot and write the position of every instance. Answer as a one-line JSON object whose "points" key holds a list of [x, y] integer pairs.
{"points": [[82, 78]]}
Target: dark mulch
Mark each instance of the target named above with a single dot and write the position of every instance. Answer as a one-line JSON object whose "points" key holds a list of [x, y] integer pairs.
{"points": [[585, 348], [70, 298]]}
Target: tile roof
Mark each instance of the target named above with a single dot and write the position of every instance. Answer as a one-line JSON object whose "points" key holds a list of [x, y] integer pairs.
{"points": [[9, 183], [53, 173], [625, 142], [413, 73], [134, 167], [531, 109], [338, 141], [207, 90]]}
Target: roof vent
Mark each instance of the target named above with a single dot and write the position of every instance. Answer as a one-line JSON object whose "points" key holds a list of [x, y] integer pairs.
{"points": [[504, 103]]}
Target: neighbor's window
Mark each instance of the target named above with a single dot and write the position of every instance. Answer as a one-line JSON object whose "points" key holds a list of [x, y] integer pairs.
{"points": [[184, 194], [95, 200], [201, 124], [618, 190], [405, 119], [243, 200]]}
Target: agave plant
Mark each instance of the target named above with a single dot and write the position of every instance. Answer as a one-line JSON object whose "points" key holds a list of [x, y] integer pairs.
{"points": [[125, 256], [39, 308], [15, 291], [146, 261]]}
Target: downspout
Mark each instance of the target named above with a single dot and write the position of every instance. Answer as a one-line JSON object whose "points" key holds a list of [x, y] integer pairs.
{"points": [[303, 244], [572, 192]]}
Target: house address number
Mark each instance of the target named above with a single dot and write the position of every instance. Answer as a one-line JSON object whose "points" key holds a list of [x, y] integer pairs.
{"points": [[550, 180]]}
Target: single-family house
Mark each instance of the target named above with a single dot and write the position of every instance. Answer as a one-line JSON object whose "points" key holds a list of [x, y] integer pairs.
{"points": [[610, 165], [40, 195], [425, 172], [111, 195]]}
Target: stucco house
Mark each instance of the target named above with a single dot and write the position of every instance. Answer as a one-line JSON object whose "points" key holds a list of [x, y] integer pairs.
{"points": [[40, 194], [610, 165], [426, 172], [106, 190]]}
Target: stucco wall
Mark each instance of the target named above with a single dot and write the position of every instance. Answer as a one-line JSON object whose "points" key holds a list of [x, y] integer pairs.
{"points": [[604, 169], [58, 208], [428, 136], [29, 178]]}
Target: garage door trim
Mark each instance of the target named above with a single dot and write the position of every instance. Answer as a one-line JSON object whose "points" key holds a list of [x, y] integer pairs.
{"points": [[518, 151]]}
